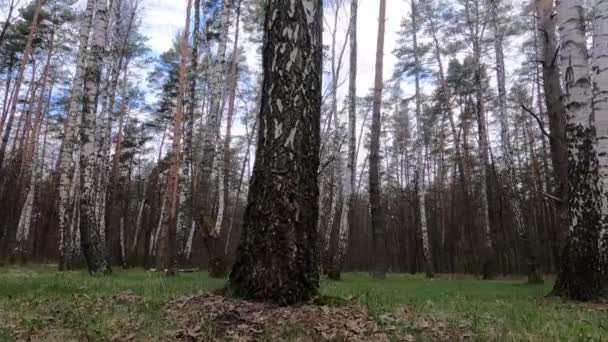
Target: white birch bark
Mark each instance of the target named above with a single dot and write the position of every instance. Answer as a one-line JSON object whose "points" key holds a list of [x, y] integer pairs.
{"points": [[426, 247], [217, 229], [579, 277], [211, 131], [600, 108], [92, 217], [65, 202], [348, 181]]}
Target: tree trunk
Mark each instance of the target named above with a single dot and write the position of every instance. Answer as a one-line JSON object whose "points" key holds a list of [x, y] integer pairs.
{"points": [[378, 231], [92, 222], [421, 190], [348, 181], [168, 255], [211, 134], [534, 275], [600, 110], [224, 173], [66, 202], [579, 277], [277, 257]]}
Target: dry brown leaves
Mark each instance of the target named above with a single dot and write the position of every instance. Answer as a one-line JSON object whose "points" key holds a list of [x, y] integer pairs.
{"points": [[211, 316]]}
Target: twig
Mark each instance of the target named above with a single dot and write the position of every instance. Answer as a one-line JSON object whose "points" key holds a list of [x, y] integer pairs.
{"points": [[540, 123], [552, 197]]}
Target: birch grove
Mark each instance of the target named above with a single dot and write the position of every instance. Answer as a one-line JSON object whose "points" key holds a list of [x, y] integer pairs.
{"points": [[257, 141]]}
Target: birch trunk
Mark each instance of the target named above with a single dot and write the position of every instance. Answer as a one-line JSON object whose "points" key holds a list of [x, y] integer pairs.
{"points": [[421, 190], [224, 181], [211, 135], [65, 201], [476, 25], [92, 220], [378, 231], [348, 180], [579, 277], [277, 258], [168, 255], [600, 109]]}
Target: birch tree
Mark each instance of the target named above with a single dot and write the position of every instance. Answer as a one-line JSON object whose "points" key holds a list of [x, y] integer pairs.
{"points": [[378, 231], [66, 202], [211, 135], [420, 164], [600, 111], [168, 257], [579, 276], [92, 220], [276, 259], [348, 181], [513, 196]]}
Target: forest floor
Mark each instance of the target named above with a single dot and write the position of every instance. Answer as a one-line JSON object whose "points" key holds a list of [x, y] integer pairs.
{"points": [[38, 303]]}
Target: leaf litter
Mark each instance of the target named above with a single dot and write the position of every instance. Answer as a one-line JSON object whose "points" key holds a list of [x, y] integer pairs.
{"points": [[224, 318]]}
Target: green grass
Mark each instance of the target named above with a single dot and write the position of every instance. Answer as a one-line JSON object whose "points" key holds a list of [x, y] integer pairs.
{"points": [[38, 302]]}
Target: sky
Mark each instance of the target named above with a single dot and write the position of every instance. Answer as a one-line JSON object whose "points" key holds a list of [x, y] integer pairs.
{"points": [[162, 19]]}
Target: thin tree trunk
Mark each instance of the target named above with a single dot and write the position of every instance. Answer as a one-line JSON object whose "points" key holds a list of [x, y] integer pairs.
{"points": [[168, 256], [348, 181], [420, 177], [211, 135], [379, 239], [225, 172]]}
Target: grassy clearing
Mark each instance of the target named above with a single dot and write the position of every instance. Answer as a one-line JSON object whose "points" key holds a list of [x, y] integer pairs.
{"points": [[38, 302]]}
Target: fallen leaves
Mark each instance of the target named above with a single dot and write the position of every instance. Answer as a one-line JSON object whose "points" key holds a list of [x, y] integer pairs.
{"points": [[239, 320]]}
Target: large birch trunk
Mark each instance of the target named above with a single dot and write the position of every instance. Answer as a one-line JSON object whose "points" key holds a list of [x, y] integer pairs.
{"points": [[579, 277], [277, 257], [600, 110]]}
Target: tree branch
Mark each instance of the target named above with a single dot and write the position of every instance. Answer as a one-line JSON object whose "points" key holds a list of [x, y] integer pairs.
{"points": [[540, 123]]}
